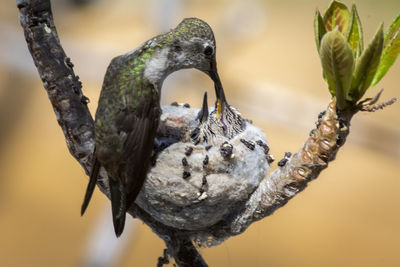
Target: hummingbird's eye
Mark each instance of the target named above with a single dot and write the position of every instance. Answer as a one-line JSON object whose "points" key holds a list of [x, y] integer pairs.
{"points": [[208, 50]]}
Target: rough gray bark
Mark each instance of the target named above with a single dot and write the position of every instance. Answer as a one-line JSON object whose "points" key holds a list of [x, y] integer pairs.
{"points": [[69, 103]]}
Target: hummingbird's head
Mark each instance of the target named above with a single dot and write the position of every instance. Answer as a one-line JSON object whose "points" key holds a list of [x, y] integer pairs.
{"points": [[193, 46]]}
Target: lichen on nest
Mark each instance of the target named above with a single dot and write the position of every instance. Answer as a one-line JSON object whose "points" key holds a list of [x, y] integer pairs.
{"points": [[193, 191]]}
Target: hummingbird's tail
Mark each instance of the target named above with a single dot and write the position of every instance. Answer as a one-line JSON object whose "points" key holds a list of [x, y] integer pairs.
{"points": [[118, 206], [91, 185]]}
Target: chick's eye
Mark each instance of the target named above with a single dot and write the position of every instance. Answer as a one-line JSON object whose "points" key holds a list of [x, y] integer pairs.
{"points": [[208, 50]]}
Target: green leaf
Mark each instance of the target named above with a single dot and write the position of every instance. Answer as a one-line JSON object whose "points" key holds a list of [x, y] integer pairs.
{"points": [[338, 15], [354, 33], [319, 28], [366, 66], [337, 64], [391, 49]]}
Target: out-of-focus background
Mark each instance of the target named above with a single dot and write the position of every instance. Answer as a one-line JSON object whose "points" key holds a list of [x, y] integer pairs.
{"points": [[270, 69]]}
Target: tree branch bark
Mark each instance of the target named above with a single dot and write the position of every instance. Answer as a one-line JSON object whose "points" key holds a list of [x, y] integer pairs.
{"points": [[59, 80], [304, 166]]}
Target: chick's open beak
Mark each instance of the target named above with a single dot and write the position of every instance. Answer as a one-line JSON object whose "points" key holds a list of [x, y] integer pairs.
{"points": [[203, 114], [219, 90]]}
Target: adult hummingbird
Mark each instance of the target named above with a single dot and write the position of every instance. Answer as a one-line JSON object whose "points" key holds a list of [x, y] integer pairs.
{"points": [[129, 109]]}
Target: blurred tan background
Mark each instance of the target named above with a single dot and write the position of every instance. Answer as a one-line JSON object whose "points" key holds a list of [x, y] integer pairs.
{"points": [[349, 216]]}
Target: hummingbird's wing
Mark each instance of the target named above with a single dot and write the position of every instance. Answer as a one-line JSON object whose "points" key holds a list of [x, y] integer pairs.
{"points": [[126, 123], [140, 125], [108, 94]]}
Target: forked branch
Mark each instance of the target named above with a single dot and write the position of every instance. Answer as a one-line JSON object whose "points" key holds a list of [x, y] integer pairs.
{"points": [[70, 106]]}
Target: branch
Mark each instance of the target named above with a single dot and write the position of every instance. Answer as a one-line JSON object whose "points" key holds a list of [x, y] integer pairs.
{"points": [[59, 80], [70, 106], [180, 199], [304, 166]]}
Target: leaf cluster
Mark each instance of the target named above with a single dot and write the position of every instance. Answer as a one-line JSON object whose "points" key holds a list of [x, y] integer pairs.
{"points": [[348, 67]]}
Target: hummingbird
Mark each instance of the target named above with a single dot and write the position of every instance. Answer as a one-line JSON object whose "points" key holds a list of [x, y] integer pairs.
{"points": [[129, 109]]}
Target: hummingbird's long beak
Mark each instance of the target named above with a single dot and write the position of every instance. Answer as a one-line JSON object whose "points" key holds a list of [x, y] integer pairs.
{"points": [[203, 114], [219, 90]]}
